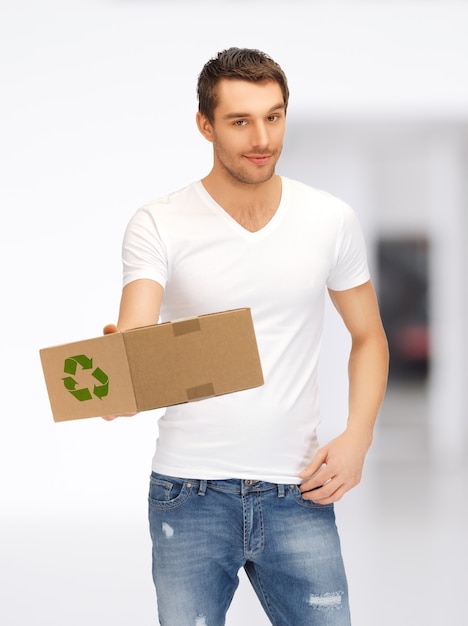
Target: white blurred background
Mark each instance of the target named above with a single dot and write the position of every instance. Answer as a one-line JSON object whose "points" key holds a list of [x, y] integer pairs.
{"points": [[97, 117]]}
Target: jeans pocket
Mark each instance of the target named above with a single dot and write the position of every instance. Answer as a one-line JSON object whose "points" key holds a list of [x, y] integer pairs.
{"points": [[310, 504], [167, 493]]}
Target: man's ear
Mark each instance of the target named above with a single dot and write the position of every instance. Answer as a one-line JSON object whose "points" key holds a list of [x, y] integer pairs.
{"points": [[204, 126]]}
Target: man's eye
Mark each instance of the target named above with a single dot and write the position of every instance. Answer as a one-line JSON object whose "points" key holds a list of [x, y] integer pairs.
{"points": [[240, 123], [272, 118]]}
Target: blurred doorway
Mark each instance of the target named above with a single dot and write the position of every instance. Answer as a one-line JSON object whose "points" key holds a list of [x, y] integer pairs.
{"points": [[403, 278]]}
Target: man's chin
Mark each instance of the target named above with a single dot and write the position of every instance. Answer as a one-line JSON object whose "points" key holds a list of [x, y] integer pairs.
{"points": [[259, 179]]}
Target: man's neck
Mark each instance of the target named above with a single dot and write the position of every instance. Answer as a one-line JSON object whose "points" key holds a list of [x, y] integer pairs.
{"points": [[251, 205]]}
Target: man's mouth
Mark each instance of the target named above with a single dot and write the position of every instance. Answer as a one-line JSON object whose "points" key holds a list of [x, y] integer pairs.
{"points": [[258, 159]]}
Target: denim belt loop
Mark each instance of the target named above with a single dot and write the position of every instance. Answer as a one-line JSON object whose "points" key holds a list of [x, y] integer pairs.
{"points": [[202, 488], [280, 491]]}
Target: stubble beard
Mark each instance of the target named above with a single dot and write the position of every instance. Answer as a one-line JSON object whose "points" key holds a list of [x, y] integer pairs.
{"points": [[240, 175]]}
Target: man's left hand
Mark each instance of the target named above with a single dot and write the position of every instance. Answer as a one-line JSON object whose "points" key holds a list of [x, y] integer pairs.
{"points": [[336, 468]]}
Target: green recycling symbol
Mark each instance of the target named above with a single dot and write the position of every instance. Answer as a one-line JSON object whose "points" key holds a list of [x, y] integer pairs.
{"points": [[70, 366]]}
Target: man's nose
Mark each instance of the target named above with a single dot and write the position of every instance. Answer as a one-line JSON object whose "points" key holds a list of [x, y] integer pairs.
{"points": [[260, 137]]}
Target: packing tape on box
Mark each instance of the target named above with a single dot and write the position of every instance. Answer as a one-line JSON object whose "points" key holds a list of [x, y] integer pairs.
{"points": [[201, 391], [183, 327]]}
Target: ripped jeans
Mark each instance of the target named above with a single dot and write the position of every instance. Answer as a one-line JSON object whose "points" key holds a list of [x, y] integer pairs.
{"points": [[203, 532]]}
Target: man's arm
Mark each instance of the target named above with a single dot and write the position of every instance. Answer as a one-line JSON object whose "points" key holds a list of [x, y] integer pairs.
{"points": [[139, 306], [341, 461]]}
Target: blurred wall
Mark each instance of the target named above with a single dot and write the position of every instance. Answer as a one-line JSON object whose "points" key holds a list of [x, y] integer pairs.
{"points": [[406, 178]]}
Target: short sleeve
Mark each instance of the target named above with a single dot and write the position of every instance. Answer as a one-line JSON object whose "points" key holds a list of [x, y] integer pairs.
{"points": [[143, 250], [351, 267]]}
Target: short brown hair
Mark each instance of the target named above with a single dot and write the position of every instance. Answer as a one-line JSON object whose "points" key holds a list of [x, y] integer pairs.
{"points": [[241, 64]]}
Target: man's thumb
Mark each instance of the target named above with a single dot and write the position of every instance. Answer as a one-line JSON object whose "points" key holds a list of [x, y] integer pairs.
{"points": [[109, 329]]}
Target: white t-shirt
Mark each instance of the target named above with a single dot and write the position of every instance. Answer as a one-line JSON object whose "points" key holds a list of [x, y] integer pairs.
{"points": [[207, 262]]}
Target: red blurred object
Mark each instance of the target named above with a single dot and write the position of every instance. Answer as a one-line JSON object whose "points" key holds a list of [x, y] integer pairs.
{"points": [[411, 342]]}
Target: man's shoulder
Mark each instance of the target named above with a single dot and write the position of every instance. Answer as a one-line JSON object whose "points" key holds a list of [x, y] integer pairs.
{"points": [[314, 197], [180, 198]]}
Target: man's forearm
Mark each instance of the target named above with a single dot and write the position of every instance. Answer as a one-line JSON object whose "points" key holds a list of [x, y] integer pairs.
{"points": [[368, 372]]}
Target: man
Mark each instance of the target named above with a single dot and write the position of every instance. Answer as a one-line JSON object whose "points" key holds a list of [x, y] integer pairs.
{"points": [[239, 480]]}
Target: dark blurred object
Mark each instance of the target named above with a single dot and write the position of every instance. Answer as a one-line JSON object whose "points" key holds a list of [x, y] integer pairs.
{"points": [[403, 296]]}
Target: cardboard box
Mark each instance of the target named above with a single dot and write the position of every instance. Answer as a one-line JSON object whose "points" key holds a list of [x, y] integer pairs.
{"points": [[153, 366]]}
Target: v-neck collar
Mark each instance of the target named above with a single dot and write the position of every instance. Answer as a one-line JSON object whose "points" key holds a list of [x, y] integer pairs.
{"points": [[234, 224]]}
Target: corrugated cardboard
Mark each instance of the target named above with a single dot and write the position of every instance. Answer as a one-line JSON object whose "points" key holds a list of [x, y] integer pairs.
{"points": [[152, 367]]}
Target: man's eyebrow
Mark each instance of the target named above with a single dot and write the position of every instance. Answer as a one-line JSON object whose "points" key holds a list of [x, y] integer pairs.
{"points": [[231, 116]]}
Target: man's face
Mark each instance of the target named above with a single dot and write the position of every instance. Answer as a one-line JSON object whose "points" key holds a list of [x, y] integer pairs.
{"points": [[248, 130]]}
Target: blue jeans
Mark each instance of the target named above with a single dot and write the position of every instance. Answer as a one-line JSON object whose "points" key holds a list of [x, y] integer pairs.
{"points": [[203, 532]]}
